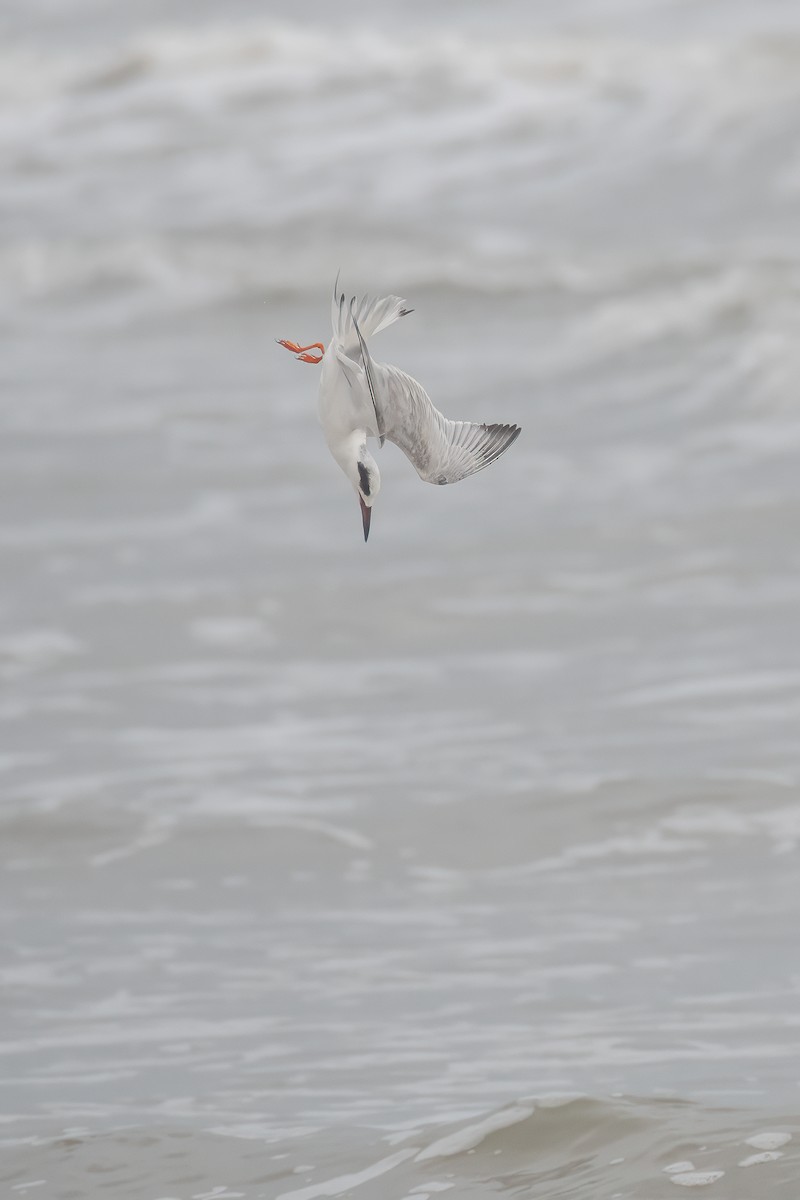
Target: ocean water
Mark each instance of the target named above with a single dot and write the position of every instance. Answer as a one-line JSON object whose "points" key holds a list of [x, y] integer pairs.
{"points": [[465, 861]]}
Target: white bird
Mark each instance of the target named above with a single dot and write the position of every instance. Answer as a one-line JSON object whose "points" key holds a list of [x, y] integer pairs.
{"points": [[359, 398]]}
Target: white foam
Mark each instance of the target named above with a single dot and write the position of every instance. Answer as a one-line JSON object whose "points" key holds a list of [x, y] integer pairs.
{"points": [[769, 1140], [335, 833], [288, 58], [472, 1135], [344, 1183], [764, 1157], [218, 1193], [697, 1178], [679, 1168]]}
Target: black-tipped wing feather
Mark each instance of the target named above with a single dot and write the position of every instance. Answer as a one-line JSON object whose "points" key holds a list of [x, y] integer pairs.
{"points": [[440, 450]]}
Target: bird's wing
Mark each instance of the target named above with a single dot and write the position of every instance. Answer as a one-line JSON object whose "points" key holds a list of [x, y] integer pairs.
{"points": [[441, 451]]}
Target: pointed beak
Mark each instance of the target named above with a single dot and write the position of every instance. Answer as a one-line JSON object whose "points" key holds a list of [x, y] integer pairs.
{"points": [[366, 514]]}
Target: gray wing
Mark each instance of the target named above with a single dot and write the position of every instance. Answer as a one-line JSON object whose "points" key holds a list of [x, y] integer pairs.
{"points": [[441, 451]]}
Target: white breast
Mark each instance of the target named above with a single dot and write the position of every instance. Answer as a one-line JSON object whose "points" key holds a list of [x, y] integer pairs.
{"points": [[343, 404]]}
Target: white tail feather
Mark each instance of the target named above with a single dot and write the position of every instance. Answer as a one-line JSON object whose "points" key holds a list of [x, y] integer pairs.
{"points": [[372, 316]]}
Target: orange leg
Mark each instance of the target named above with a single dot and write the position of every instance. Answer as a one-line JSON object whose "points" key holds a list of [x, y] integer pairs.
{"points": [[302, 351]]}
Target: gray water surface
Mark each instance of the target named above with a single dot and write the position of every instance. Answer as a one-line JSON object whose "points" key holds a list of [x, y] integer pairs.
{"points": [[466, 860]]}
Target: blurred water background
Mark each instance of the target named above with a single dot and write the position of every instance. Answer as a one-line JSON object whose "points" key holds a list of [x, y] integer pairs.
{"points": [[466, 860]]}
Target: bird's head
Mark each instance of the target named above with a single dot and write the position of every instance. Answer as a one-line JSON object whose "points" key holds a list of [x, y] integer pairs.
{"points": [[366, 479]]}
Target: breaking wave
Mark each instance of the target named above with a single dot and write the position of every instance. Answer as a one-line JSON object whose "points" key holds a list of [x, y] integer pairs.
{"points": [[206, 167]]}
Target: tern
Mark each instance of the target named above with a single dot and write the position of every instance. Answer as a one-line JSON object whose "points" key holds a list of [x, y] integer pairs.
{"points": [[361, 398]]}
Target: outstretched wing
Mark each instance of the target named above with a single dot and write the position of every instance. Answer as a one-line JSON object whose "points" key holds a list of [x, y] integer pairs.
{"points": [[441, 451]]}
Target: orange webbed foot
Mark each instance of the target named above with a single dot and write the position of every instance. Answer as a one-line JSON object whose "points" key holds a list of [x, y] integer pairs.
{"points": [[301, 352]]}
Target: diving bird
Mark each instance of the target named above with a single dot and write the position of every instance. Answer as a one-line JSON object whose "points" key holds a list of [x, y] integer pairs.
{"points": [[361, 398]]}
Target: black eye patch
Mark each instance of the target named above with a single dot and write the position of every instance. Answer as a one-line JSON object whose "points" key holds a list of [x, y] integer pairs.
{"points": [[363, 475]]}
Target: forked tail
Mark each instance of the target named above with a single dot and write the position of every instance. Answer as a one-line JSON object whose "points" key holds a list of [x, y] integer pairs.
{"points": [[372, 316]]}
